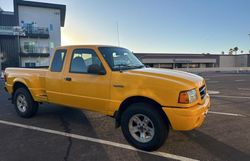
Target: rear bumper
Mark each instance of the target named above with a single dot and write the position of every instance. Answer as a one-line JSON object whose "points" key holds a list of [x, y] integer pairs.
{"points": [[185, 119], [8, 88], [5, 89]]}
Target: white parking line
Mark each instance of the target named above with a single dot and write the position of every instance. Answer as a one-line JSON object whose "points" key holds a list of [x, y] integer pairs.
{"points": [[213, 92], [213, 81], [244, 89], [222, 96], [228, 114], [240, 80], [95, 140], [227, 75]]}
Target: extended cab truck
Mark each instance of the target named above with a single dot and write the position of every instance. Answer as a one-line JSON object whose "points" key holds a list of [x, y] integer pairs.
{"points": [[146, 102]]}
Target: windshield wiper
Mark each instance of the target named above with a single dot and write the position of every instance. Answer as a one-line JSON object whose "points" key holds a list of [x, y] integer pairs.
{"points": [[137, 66], [121, 66], [126, 66]]}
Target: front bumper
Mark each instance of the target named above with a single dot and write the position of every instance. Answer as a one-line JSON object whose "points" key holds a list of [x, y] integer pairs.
{"points": [[185, 119]]}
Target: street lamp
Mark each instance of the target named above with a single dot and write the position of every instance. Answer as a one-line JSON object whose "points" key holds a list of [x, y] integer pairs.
{"points": [[249, 37]]}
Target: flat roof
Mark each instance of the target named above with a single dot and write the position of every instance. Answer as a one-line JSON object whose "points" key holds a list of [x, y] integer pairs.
{"points": [[184, 54], [61, 7]]}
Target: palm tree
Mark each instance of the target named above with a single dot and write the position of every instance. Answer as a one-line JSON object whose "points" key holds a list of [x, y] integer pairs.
{"points": [[230, 51], [236, 50]]}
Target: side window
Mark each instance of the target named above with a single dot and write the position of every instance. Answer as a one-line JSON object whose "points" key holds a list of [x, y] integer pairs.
{"points": [[84, 61], [58, 60]]}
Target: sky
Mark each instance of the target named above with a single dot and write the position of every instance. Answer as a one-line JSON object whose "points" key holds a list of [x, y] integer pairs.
{"points": [[165, 26]]}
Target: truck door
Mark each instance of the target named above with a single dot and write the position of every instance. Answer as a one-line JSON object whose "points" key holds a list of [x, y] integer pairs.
{"points": [[54, 77], [82, 87]]}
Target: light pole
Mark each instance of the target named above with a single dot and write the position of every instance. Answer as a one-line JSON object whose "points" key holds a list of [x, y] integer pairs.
{"points": [[118, 34], [249, 37]]}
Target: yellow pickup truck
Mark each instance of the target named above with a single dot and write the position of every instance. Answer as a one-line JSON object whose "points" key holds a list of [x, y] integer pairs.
{"points": [[145, 102]]}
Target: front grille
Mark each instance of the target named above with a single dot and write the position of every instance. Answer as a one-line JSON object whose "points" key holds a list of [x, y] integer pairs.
{"points": [[203, 91]]}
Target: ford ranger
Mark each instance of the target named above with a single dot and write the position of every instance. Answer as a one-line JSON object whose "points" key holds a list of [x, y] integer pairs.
{"points": [[145, 102]]}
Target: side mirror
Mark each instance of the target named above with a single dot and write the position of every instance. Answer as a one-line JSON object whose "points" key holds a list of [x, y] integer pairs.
{"points": [[96, 69]]}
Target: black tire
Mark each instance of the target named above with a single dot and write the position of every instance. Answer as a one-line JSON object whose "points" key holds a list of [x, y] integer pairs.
{"points": [[160, 126], [31, 105]]}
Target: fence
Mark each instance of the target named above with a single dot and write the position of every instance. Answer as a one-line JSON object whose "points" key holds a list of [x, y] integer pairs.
{"points": [[33, 49], [221, 69]]}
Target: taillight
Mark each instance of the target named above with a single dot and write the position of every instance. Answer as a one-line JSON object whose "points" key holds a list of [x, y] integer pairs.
{"points": [[5, 77]]}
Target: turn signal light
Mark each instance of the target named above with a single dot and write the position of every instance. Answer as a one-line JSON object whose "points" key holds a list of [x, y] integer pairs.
{"points": [[184, 98]]}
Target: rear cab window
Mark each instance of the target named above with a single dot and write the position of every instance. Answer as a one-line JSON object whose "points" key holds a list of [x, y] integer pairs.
{"points": [[58, 60]]}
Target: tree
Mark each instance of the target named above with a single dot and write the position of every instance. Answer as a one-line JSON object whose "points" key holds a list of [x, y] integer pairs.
{"points": [[236, 50], [223, 53], [230, 51]]}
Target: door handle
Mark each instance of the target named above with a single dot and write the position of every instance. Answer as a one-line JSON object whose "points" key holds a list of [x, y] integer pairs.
{"points": [[67, 79]]}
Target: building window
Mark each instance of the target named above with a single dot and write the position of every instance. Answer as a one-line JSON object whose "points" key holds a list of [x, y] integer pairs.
{"points": [[190, 65], [29, 47], [51, 27], [52, 45], [30, 65]]}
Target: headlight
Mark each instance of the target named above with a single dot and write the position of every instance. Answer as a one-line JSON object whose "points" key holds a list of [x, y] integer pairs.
{"points": [[188, 96]]}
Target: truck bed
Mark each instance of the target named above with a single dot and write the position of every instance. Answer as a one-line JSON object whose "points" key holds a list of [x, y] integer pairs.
{"points": [[33, 78]]}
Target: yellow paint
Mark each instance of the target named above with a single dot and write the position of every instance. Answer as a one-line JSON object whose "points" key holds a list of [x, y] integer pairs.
{"points": [[105, 93]]}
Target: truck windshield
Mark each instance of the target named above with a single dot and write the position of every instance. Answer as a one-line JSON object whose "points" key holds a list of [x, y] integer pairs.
{"points": [[120, 58]]}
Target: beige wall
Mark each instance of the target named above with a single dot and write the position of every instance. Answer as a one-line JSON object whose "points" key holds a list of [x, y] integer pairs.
{"points": [[227, 61], [233, 61], [241, 61]]}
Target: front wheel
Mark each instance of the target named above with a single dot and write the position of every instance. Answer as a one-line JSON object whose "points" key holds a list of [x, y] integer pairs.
{"points": [[144, 127], [24, 104]]}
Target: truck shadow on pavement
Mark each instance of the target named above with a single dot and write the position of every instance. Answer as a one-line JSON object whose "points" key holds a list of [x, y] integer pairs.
{"points": [[73, 121], [76, 122]]}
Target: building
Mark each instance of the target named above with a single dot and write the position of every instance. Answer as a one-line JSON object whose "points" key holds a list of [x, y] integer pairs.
{"points": [[29, 34], [168, 60]]}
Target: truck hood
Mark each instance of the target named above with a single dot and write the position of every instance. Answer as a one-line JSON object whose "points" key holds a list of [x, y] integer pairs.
{"points": [[172, 75]]}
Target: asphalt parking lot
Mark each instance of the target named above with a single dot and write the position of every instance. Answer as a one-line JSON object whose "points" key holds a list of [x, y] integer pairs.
{"points": [[60, 133]]}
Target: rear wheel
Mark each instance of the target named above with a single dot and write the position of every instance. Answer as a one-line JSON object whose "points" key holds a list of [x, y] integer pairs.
{"points": [[144, 127], [24, 104]]}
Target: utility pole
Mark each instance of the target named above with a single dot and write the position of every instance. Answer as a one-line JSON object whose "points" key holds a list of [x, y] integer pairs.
{"points": [[118, 34], [249, 37]]}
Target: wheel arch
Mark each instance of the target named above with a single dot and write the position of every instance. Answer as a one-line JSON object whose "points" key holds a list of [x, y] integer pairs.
{"points": [[17, 85], [134, 99]]}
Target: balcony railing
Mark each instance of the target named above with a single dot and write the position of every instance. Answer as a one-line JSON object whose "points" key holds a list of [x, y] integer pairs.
{"points": [[28, 31], [6, 30], [35, 32], [35, 51]]}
